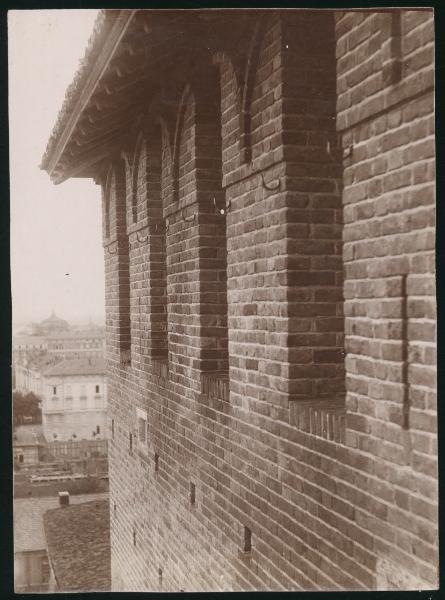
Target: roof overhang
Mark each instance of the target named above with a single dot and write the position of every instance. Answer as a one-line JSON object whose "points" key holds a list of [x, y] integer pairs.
{"points": [[132, 55], [118, 25]]}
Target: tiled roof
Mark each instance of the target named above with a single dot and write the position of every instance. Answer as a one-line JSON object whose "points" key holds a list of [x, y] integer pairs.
{"points": [[87, 333], [53, 319], [100, 28], [77, 366], [42, 361], [79, 546], [28, 519]]}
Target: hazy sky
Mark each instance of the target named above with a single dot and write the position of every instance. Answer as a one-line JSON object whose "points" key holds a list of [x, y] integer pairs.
{"points": [[55, 230]]}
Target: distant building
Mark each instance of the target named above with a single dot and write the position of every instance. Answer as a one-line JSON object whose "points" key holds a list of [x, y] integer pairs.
{"points": [[23, 344], [32, 453], [74, 400], [28, 373], [27, 445], [30, 345], [33, 353], [75, 344], [78, 539], [53, 324]]}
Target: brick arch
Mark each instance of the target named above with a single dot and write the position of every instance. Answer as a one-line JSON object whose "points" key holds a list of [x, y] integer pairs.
{"points": [[107, 193], [243, 75], [155, 136], [198, 160], [224, 60], [248, 85], [197, 97], [187, 99], [117, 258], [160, 113], [114, 199], [139, 154], [158, 123]]}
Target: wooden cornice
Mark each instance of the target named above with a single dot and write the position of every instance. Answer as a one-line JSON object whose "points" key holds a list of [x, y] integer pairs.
{"points": [[101, 65]]}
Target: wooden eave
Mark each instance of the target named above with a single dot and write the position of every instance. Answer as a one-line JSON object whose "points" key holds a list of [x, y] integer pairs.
{"points": [[141, 51], [119, 87], [100, 67]]}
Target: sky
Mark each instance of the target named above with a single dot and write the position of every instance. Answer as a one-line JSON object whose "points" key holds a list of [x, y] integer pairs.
{"points": [[56, 238]]}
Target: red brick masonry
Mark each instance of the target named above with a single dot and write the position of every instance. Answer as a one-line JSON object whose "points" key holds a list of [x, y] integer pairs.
{"points": [[269, 230]]}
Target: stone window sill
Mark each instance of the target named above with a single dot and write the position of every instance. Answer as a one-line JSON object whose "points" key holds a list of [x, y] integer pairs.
{"points": [[125, 358], [245, 556], [160, 368], [215, 384], [323, 418]]}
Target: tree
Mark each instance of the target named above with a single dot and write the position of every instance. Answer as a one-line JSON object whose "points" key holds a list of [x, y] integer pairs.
{"points": [[25, 406]]}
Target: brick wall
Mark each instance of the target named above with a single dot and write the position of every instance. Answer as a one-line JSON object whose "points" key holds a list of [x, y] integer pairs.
{"points": [[117, 263], [337, 488], [386, 117]]}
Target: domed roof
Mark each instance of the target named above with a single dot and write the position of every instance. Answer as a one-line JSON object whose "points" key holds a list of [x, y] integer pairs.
{"points": [[54, 323]]}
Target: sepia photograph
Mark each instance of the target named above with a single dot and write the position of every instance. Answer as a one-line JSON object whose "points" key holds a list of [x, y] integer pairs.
{"points": [[223, 268]]}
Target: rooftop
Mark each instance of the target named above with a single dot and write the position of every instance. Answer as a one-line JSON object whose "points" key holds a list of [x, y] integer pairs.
{"points": [[80, 334], [29, 533], [78, 539], [77, 366], [123, 71], [30, 340], [53, 322], [100, 30], [42, 361]]}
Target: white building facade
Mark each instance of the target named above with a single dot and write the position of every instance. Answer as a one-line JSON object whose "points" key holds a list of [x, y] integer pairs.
{"points": [[74, 400], [28, 372], [77, 344], [28, 379]]}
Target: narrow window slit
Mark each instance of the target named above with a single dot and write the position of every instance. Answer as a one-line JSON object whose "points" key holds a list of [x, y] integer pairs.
{"points": [[405, 403], [247, 547]]}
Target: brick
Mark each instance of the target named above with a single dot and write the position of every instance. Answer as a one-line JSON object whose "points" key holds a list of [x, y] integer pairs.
{"points": [[267, 343]]}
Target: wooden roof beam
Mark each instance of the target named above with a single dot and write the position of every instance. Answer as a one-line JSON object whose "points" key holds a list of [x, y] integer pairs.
{"points": [[118, 31]]}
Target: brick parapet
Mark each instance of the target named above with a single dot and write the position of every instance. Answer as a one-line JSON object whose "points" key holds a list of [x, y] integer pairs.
{"points": [[387, 123], [337, 494]]}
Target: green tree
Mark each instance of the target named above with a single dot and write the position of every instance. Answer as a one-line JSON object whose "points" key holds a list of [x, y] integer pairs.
{"points": [[25, 406]]}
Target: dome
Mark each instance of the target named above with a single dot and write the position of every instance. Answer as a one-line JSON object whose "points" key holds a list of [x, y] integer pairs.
{"points": [[53, 324]]}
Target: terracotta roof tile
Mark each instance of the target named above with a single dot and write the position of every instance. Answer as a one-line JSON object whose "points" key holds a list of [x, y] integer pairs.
{"points": [[28, 519], [86, 333], [42, 361], [100, 29], [78, 538], [77, 366]]}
